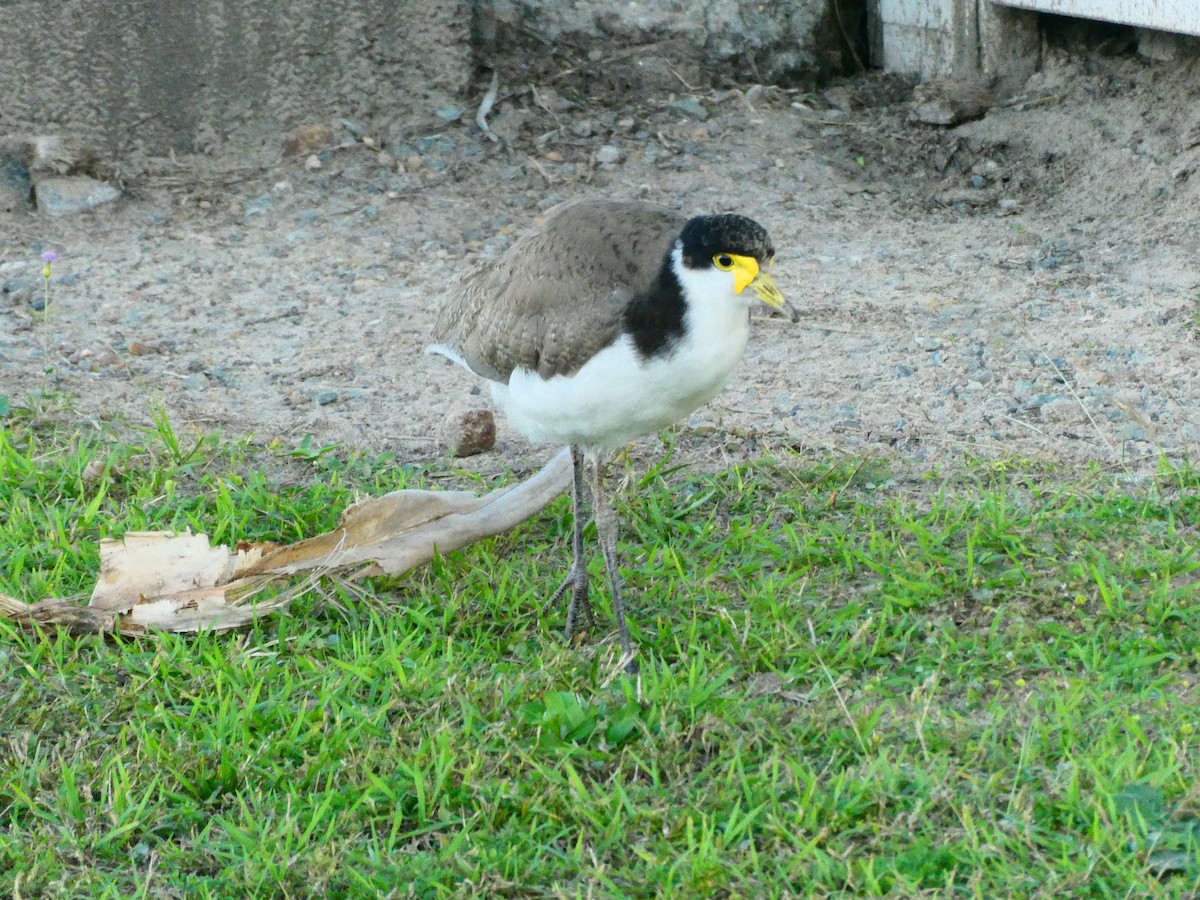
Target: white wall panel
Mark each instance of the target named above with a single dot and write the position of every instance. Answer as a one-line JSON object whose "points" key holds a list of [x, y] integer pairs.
{"points": [[1166, 15]]}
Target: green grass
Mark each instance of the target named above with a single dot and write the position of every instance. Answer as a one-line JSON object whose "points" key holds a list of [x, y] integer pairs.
{"points": [[977, 683]]}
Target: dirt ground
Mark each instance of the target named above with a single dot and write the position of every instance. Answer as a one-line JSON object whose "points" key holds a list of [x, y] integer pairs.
{"points": [[1025, 285]]}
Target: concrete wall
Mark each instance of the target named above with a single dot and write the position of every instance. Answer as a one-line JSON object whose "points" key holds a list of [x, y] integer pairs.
{"points": [[939, 38], [753, 40], [1001, 39], [133, 78]]}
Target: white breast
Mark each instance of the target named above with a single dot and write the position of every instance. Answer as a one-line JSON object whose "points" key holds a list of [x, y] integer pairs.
{"points": [[617, 396]]}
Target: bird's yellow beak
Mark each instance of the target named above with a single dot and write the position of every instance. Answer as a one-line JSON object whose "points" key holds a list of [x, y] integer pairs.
{"points": [[746, 273]]}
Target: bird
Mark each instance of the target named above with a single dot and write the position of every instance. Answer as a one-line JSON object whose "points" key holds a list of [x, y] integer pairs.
{"points": [[611, 321]]}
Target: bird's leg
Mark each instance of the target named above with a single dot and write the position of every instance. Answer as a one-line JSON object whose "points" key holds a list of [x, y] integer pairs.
{"points": [[577, 578], [606, 528]]}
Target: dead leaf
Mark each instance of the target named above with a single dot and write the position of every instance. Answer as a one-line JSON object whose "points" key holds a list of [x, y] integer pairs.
{"points": [[177, 582]]}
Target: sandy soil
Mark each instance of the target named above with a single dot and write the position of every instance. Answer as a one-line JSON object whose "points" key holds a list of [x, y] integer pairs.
{"points": [[1024, 285]]}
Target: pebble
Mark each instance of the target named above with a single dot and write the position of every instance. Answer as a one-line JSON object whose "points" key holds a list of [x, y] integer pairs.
{"points": [[469, 433], [93, 471], [15, 185], [324, 398], [1133, 432], [308, 139], [257, 206], [138, 348], [689, 106], [608, 155], [837, 97], [1065, 410], [100, 358], [72, 194]]}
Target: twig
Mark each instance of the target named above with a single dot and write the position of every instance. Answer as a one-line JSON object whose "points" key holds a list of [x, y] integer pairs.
{"points": [[600, 64], [1017, 421], [862, 745], [485, 106], [286, 314], [541, 169], [692, 88]]}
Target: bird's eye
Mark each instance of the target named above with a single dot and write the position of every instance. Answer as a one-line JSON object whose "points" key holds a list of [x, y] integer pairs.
{"points": [[723, 261]]}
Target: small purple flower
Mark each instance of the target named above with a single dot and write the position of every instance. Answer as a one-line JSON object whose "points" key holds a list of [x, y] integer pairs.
{"points": [[49, 256]]}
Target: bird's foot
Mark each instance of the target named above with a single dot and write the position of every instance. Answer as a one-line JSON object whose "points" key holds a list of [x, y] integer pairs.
{"points": [[577, 583]]}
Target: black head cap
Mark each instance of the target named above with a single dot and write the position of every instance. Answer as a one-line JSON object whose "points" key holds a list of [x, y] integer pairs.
{"points": [[705, 236]]}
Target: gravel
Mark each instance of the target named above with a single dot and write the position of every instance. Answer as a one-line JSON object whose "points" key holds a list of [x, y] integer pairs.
{"points": [[1049, 311]]}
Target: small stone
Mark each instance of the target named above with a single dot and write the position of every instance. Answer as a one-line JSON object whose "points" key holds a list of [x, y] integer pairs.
{"points": [[449, 113], [608, 155], [19, 290], [689, 106], [101, 358], [929, 344], [308, 139], [258, 205], [950, 101], [1134, 432], [48, 154], [583, 128], [16, 189], [68, 195], [470, 432], [326, 397], [839, 98], [93, 471], [552, 101], [1064, 410], [312, 163]]}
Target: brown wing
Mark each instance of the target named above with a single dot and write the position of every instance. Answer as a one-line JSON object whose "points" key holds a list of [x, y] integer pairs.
{"points": [[555, 298]]}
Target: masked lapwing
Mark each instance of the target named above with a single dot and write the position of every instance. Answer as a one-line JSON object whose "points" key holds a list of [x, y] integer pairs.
{"points": [[612, 321]]}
